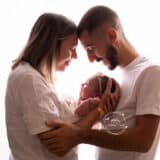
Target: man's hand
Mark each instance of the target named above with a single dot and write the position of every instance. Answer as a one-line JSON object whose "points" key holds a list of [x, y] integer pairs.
{"points": [[61, 140], [111, 99]]}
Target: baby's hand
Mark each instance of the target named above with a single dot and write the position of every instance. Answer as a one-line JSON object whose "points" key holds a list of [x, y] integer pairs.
{"points": [[87, 106]]}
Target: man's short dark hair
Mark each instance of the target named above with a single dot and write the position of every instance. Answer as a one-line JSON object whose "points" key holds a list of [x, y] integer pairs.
{"points": [[97, 16]]}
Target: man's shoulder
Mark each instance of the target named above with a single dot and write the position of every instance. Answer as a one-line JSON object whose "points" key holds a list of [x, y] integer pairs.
{"points": [[150, 74], [151, 69]]}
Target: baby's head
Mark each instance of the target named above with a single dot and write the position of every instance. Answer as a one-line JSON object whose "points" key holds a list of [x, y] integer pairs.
{"points": [[95, 87]]}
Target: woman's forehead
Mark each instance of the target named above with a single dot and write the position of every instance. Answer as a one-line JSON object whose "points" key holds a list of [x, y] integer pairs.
{"points": [[71, 39]]}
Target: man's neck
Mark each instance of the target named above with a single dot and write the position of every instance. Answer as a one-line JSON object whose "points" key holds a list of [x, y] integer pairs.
{"points": [[127, 54]]}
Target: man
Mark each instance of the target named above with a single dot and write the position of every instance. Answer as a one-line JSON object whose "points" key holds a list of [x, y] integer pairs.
{"points": [[103, 38]]}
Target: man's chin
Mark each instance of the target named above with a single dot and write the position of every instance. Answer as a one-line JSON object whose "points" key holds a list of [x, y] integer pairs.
{"points": [[112, 67]]}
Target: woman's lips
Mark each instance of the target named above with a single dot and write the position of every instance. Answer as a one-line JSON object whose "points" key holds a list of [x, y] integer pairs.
{"points": [[67, 62]]}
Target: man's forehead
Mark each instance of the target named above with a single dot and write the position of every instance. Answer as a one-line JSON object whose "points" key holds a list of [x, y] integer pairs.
{"points": [[85, 38]]}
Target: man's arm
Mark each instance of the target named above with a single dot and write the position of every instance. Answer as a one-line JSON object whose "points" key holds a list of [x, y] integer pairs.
{"points": [[138, 139]]}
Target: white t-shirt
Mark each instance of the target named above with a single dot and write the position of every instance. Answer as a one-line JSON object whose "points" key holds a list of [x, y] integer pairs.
{"points": [[140, 94], [30, 102]]}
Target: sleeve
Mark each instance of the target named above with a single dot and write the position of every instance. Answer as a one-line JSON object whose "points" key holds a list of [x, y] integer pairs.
{"points": [[148, 92], [38, 104], [68, 111]]}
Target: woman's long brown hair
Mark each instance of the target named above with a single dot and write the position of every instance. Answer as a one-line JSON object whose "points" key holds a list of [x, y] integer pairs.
{"points": [[45, 40]]}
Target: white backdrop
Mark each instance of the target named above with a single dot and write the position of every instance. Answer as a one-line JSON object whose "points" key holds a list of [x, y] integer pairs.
{"points": [[140, 21]]}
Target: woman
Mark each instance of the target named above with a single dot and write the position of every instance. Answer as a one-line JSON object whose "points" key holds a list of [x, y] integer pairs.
{"points": [[31, 98]]}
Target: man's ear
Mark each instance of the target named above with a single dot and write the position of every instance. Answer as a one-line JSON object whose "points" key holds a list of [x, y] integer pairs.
{"points": [[112, 34]]}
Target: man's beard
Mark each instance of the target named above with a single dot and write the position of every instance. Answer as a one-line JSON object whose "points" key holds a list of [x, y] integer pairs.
{"points": [[111, 56]]}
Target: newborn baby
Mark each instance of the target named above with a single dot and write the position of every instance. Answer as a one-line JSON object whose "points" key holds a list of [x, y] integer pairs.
{"points": [[94, 88]]}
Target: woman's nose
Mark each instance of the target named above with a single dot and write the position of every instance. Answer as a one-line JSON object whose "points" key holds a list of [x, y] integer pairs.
{"points": [[74, 55]]}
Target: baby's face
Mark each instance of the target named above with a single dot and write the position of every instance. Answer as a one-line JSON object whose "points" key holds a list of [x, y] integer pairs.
{"points": [[95, 87], [89, 89]]}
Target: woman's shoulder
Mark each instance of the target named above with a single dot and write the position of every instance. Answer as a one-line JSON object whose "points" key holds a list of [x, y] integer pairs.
{"points": [[24, 72]]}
